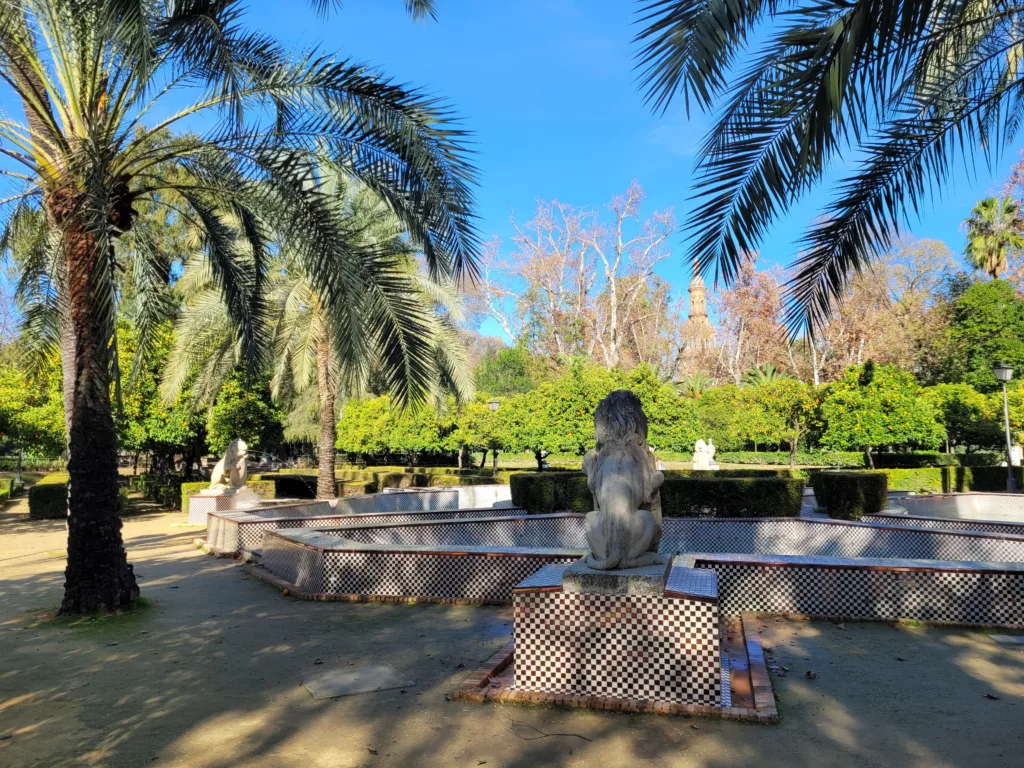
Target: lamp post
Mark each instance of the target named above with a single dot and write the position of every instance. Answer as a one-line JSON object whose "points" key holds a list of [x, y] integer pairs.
{"points": [[494, 405], [1003, 374]]}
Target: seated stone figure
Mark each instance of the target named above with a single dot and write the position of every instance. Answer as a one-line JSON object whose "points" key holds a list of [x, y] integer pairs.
{"points": [[625, 528], [230, 475]]}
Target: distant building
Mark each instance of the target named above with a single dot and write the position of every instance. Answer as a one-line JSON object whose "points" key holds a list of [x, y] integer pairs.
{"points": [[698, 333]]}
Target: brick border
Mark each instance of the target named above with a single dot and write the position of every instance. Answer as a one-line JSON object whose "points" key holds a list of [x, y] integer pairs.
{"points": [[478, 688]]}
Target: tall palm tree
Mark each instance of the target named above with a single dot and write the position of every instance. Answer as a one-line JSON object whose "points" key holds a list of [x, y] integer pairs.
{"points": [[905, 87], [994, 227], [405, 339], [87, 73]]}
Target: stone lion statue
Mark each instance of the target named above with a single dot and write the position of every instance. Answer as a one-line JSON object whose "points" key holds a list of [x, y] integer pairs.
{"points": [[625, 528], [231, 474]]}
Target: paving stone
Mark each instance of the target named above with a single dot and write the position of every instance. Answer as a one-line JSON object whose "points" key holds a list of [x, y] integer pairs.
{"points": [[350, 680]]}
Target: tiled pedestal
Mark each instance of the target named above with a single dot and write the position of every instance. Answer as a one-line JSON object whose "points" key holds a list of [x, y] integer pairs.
{"points": [[199, 506], [641, 647]]}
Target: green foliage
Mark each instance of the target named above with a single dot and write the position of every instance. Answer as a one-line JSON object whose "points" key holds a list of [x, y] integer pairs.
{"points": [[968, 416], [145, 422], [915, 459], [993, 229], [244, 410], [777, 411], [873, 406], [721, 414], [32, 410], [732, 496], [682, 494], [508, 371], [48, 498], [850, 495], [987, 328], [672, 421], [922, 479], [806, 458]]}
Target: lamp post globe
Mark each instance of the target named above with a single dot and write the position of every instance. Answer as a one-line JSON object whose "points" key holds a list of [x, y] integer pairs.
{"points": [[1003, 374]]}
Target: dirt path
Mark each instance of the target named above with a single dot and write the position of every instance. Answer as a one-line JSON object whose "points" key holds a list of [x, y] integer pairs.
{"points": [[210, 675]]}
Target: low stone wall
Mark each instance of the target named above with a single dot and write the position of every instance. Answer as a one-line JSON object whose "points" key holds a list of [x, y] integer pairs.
{"points": [[410, 561], [319, 564], [987, 594], [231, 533]]}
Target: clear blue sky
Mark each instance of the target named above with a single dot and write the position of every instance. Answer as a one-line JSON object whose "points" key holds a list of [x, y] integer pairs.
{"points": [[548, 88]]}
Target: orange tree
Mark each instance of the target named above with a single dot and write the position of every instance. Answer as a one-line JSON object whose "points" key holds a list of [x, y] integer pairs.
{"points": [[872, 406]]}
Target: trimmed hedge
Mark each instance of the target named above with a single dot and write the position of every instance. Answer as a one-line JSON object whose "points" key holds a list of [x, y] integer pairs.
{"points": [[682, 494], [914, 460], [850, 495], [48, 498], [950, 479], [781, 458]]}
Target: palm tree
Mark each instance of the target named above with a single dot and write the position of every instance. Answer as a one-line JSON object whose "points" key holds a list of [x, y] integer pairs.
{"points": [[903, 86], [993, 228], [405, 339], [88, 72], [764, 374], [693, 385]]}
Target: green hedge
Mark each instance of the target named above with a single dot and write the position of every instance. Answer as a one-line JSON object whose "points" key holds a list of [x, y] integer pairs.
{"points": [[914, 460], [850, 495], [781, 458], [48, 498], [950, 479], [991, 479], [682, 494]]}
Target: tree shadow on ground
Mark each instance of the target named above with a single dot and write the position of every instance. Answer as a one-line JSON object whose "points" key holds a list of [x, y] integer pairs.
{"points": [[210, 675]]}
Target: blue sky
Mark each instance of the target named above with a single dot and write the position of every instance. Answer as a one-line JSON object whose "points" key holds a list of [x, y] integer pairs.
{"points": [[548, 88]]}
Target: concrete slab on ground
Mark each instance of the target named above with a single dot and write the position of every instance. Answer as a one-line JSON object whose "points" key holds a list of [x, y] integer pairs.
{"points": [[348, 681]]}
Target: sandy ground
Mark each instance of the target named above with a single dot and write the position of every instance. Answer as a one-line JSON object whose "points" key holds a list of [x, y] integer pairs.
{"points": [[210, 674]]}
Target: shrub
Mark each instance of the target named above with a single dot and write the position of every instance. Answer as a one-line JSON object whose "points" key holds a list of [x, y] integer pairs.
{"points": [[914, 460], [922, 480], [48, 499], [291, 486], [732, 496], [682, 494], [534, 491], [981, 458], [781, 458], [850, 495], [991, 479]]}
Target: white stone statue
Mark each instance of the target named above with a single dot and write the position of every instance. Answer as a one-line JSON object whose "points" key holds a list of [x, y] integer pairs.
{"points": [[625, 528], [230, 475], [711, 454], [701, 456]]}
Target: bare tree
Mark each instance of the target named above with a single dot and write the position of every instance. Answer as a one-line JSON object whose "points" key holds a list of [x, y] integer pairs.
{"points": [[577, 282]]}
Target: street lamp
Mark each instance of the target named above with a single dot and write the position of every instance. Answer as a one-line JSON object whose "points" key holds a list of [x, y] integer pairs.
{"points": [[1003, 374], [494, 405]]}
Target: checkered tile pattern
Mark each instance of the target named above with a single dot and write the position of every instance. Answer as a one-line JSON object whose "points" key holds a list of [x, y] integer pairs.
{"points": [[302, 566], [977, 526], [307, 509], [533, 531], [641, 647], [200, 506], [789, 536], [956, 597], [471, 577]]}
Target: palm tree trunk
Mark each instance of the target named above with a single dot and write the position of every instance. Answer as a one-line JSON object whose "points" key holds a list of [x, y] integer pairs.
{"points": [[325, 482], [98, 575]]}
